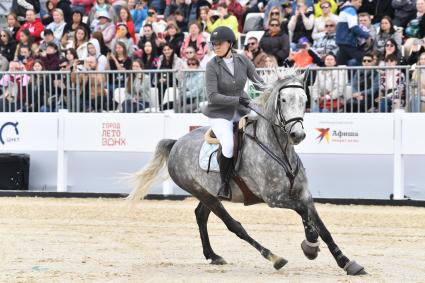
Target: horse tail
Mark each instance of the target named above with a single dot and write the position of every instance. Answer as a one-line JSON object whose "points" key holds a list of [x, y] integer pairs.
{"points": [[144, 178]]}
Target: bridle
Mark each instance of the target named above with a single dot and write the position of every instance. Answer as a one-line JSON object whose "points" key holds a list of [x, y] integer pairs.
{"points": [[291, 172]]}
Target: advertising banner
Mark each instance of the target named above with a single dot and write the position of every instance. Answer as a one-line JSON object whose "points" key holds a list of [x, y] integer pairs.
{"points": [[177, 125], [22, 132], [114, 132], [413, 133], [348, 133]]}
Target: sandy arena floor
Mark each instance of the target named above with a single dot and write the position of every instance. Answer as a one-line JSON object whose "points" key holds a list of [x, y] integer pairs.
{"points": [[97, 240]]}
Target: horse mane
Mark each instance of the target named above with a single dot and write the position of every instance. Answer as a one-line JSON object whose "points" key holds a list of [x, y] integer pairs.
{"points": [[274, 77]]}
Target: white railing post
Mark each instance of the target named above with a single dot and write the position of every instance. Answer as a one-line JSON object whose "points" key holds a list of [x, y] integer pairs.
{"points": [[398, 179], [62, 161]]}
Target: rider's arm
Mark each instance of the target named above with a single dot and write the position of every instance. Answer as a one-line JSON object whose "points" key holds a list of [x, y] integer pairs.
{"points": [[211, 78]]}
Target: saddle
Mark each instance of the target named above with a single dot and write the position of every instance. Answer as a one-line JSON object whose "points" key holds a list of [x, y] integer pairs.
{"points": [[212, 148]]}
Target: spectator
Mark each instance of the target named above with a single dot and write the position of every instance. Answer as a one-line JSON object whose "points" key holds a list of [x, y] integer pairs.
{"points": [[210, 54], [275, 42], [418, 76], [125, 18], [83, 6], [203, 18], [148, 35], [266, 6], [117, 5], [181, 21], [277, 14], [254, 52], [319, 30], [236, 9], [158, 24], [103, 48], [124, 36], [404, 11], [38, 89], [106, 27], [225, 19], [365, 23], [386, 31], [48, 38], [64, 43], [305, 56], [168, 61], [81, 39], [329, 87], [391, 87], [192, 88], [92, 86], [99, 6], [195, 40], [47, 16], [137, 90], [176, 5], [158, 5], [150, 58], [71, 57], [174, 37], [364, 85], [32, 24], [347, 33], [416, 27], [118, 61], [50, 57], [77, 21], [301, 24], [58, 24], [319, 11], [20, 8], [56, 96], [65, 7], [93, 49], [7, 49], [391, 47], [14, 88], [12, 24], [326, 44], [138, 14], [26, 40]]}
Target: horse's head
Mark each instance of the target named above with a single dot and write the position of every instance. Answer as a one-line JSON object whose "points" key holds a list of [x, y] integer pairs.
{"points": [[285, 103]]}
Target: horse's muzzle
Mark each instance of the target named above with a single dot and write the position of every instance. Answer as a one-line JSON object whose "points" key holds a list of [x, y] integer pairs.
{"points": [[296, 137]]}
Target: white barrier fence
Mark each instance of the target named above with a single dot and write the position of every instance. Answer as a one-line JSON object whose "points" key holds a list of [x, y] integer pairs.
{"points": [[394, 134]]}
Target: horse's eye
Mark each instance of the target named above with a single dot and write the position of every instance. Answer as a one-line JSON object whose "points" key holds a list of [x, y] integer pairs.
{"points": [[283, 100]]}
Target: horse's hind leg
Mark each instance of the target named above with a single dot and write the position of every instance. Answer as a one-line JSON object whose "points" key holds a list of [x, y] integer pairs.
{"points": [[202, 212], [310, 245], [351, 267], [218, 209]]}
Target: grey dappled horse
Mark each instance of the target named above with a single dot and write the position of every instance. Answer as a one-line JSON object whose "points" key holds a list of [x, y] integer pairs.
{"points": [[269, 166]]}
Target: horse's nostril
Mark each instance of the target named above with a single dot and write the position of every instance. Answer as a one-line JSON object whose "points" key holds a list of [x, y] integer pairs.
{"points": [[293, 135]]}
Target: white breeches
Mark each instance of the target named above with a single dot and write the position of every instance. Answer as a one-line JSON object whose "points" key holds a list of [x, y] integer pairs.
{"points": [[223, 130]]}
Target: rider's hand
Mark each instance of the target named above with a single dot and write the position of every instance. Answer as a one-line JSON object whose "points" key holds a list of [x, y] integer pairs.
{"points": [[244, 101]]}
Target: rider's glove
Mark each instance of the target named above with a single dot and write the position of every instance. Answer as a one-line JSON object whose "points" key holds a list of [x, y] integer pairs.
{"points": [[244, 101]]}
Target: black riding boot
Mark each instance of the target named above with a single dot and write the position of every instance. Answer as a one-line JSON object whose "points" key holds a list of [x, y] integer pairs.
{"points": [[226, 171]]}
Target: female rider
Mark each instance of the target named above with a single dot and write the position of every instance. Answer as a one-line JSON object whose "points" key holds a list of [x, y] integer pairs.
{"points": [[226, 76]]}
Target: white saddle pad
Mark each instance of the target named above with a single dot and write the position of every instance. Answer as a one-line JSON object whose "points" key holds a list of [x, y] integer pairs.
{"points": [[208, 155]]}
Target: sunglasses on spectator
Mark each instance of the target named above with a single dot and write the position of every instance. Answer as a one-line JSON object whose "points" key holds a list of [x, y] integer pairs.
{"points": [[367, 60], [252, 43], [274, 13], [389, 45], [274, 25], [192, 64], [327, 26]]}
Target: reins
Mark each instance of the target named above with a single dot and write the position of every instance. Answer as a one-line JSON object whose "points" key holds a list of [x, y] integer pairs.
{"points": [[290, 172]]}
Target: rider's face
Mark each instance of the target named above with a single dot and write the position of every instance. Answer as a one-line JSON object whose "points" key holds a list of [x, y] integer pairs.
{"points": [[221, 47]]}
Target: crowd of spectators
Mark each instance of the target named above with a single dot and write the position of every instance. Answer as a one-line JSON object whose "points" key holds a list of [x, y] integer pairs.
{"points": [[141, 35]]}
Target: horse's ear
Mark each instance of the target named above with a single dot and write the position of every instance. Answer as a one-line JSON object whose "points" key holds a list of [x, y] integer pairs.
{"points": [[304, 75]]}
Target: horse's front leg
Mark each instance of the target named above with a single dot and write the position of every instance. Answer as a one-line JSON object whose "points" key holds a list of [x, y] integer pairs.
{"points": [[234, 226], [351, 267], [310, 245]]}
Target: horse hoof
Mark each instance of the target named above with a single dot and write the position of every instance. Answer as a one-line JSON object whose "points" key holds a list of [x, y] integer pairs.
{"points": [[218, 261], [279, 263], [353, 268], [310, 251]]}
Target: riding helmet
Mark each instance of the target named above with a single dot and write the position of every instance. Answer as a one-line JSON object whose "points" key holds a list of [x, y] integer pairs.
{"points": [[223, 33]]}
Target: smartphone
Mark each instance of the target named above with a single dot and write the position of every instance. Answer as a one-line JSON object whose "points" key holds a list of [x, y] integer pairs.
{"points": [[80, 62]]}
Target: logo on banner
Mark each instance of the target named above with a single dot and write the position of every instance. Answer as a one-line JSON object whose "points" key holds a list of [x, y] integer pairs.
{"points": [[9, 133], [337, 136], [112, 135], [324, 134]]}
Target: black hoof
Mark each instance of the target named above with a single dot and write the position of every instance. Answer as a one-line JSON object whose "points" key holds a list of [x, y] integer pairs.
{"points": [[218, 261], [279, 263], [309, 251], [353, 268]]}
